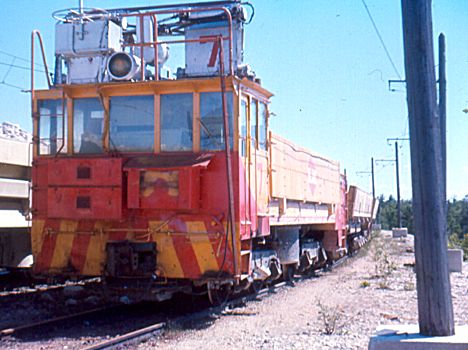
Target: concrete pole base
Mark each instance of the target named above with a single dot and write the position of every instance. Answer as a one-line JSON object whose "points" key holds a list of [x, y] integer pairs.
{"points": [[407, 337]]}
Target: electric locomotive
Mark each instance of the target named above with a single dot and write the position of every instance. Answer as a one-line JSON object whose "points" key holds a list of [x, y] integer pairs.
{"points": [[164, 179]]}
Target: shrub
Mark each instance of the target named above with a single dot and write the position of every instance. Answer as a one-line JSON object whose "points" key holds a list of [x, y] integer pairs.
{"points": [[330, 317]]}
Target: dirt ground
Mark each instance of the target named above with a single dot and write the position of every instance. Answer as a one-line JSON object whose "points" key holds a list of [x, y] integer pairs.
{"points": [[338, 310]]}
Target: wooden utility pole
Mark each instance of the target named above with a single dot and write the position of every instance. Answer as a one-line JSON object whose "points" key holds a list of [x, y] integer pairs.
{"points": [[432, 275], [443, 114]]}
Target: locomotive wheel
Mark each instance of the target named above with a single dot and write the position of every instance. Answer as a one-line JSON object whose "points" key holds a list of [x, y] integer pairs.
{"points": [[288, 272], [256, 286], [218, 294]]}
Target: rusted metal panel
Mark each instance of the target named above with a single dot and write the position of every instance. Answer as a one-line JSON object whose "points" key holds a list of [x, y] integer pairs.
{"points": [[168, 161], [133, 189], [299, 174], [84, 202], [85, 172], [165, 182], [300, 213], [159, 189], [191, 246], [360, 203]]}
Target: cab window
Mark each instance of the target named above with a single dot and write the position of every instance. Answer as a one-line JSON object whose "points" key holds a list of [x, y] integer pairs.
{"points": [[253, 123], [88, 122], [262, 126], [52, 118], [176, 122], [243, 128], [211, 120], [132, 123]]}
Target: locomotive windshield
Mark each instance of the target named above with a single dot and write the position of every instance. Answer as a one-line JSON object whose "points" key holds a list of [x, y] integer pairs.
{"points": [[211, 120], [133, 123], [176, 122], [88, 125], [52, 121]]}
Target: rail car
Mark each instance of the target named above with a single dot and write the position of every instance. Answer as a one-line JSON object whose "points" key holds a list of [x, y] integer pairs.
{"points": [[164, 180]]}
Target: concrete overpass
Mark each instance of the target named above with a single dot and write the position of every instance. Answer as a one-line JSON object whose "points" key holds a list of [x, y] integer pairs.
{"points": [[15, 174]]}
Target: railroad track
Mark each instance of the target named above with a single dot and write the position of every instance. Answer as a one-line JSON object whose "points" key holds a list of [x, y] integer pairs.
{"points": [[136, 336], [14, 330], [139, 335]]}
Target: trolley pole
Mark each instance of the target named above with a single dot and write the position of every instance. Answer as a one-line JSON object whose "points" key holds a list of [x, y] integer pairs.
{"points": [[432, 276]]}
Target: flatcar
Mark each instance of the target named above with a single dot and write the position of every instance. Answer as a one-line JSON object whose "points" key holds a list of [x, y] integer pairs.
{"points": [[163, 180]]}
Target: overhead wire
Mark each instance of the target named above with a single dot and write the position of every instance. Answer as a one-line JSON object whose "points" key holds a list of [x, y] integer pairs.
{"points": [[381, 40], [12, 65], [20, 58]]}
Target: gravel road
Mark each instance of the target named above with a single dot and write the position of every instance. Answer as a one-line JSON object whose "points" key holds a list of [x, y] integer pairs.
{"points": [[374, 288]]}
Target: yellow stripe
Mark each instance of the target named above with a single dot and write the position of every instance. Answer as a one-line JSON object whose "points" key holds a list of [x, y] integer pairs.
{"points": [[167, 258], [63, 245], [95, 256], [37, 236], [202, 247]]}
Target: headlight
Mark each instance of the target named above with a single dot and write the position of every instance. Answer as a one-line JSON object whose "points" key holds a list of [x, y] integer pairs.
{"points": [[123, 66]]}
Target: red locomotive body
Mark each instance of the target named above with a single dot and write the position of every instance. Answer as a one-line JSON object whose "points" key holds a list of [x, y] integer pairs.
{"points": [[168, 185]]}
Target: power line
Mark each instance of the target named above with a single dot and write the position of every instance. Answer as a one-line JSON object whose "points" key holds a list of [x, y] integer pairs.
{"points": [[381, 40], [11, 65], [13, 86], [20, 58]]}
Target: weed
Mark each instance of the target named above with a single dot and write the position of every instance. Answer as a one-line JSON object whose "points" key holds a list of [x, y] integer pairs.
{"points": [[384, 266], [384, 283], [409, 286], [330, 317], [364, 284]]}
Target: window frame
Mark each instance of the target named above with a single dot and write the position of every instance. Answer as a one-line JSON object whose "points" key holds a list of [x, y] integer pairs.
{"points": [[105, 93], [64, 149]]}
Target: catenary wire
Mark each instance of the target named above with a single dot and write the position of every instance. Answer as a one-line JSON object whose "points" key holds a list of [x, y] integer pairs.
{"points": [[381, 40]]}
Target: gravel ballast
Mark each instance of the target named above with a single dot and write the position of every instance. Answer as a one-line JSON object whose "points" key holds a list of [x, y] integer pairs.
{"points": [[374, 288]]}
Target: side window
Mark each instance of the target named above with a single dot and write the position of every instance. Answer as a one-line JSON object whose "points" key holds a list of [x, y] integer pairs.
{"points": [[88, 123], [176, 122], [243, 128], [52, 120], [262, 126], [132, 123], [211, 120], [253, 123]]}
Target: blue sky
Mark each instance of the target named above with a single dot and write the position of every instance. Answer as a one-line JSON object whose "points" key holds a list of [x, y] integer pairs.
{"points": [[326, 66]]}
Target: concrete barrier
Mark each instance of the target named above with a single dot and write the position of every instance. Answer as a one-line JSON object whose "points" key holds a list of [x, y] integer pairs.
{"points": [[407, 337], [399, 232], [455, 260]]}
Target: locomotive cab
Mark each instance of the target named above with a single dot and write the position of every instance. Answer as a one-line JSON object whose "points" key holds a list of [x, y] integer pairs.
{"points": [[130, 177]]}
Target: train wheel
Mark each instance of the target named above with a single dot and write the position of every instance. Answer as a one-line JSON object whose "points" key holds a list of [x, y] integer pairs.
{"points": [[288, 272], [256, 286], [218, 294]]}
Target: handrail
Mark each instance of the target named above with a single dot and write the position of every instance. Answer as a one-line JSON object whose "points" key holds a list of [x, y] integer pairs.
{"points": [[229, 176], [155, 43], [36, 32]]}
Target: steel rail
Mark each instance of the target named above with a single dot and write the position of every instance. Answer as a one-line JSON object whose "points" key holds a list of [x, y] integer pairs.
{"points": [[10, 331], [144, 333], [133, 336]]}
